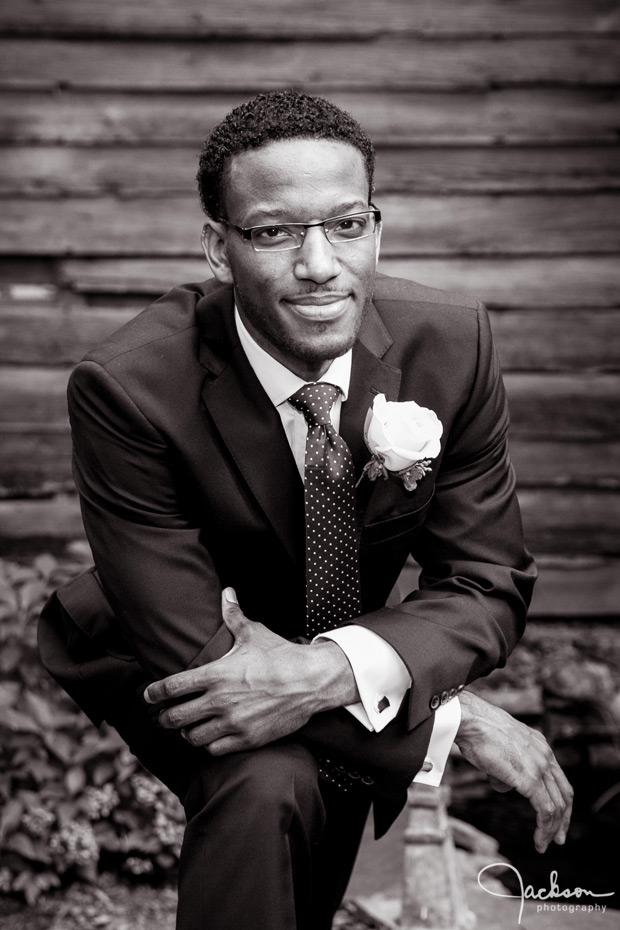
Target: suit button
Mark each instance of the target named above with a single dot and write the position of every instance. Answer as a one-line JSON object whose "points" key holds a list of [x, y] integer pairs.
{"points": [[353, 774], [367, 780], [460, 687], [444, 697], [435, 702], [452, 693]]}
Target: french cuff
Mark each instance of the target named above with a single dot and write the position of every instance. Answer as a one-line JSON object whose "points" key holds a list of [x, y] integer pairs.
{"points": [[445, 726], [381, 676]]}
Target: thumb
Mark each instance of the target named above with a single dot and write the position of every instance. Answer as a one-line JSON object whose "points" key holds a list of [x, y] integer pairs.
{"points": [[233, 616]]}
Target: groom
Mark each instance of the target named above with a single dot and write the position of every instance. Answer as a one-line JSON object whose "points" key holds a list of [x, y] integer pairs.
{"points": [[247, 532]]}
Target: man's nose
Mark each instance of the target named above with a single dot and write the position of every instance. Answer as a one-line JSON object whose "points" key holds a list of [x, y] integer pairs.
{"points": [[316, 260]]}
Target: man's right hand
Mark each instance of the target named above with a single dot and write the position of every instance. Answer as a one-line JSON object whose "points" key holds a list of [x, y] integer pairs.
{"points": [[514, 755]]}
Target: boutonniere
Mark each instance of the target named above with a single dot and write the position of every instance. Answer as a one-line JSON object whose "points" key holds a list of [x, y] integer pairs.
{"points": [[403, 438]]}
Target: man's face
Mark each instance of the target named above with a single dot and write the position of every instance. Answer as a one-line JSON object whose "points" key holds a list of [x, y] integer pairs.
{"points": [[303, 306]]}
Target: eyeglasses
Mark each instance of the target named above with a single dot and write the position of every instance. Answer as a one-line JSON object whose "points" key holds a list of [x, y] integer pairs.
{"points": [[284, 238]]}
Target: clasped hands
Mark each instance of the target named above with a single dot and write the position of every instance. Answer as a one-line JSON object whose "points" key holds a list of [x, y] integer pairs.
{"points": [[266, 688]]}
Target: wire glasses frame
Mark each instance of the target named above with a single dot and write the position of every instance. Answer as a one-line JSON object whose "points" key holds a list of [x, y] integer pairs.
{"points": [[284, 237]]}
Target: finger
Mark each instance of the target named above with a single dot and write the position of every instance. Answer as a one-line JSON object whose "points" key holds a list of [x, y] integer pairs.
{"points": [[544, 806], [188, 713], [205, 733], [233, 616], [567, 794], [188, 682]]}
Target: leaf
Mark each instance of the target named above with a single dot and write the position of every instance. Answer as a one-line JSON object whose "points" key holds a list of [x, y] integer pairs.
{"points": [[32, 593], [9, 692], [10, 658], [41, 710], [75, 779], [103, 773], [18, 722], [10, 817], [45, 564], [22, 844]]}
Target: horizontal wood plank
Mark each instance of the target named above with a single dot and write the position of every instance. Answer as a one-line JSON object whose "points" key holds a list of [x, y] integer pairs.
{"points": [[45, 64], [550, 281], [555, 521], [53, 333], [574, 587], [60, 171], [580, 587], [506, 116], [36, 463], [543, 406], [315, 18], [413, 225]]}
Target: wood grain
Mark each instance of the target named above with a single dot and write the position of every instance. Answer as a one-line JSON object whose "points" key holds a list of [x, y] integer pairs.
{"points": [[427, 64], [145, 171], [542, 115], [413, 225], [314, 18]]}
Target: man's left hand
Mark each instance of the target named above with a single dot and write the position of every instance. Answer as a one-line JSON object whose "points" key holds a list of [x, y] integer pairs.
{"points": [[262, 690]]}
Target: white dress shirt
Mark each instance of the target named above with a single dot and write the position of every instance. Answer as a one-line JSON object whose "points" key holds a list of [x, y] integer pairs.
{"points": [[381, 676]]}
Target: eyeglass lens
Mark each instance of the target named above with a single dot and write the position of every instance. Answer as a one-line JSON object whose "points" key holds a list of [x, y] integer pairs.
{"points": [[291, 236]]}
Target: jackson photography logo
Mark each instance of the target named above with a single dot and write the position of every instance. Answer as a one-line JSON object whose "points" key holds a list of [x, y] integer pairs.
{"points": [[552, 899]]}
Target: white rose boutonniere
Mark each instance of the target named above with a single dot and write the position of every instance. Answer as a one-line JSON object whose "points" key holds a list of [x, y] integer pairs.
{"points": [[403, 439]]}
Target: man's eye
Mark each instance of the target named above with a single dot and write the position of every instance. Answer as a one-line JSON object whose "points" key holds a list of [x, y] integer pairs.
{"points": [[351, 224], [272, 232]]}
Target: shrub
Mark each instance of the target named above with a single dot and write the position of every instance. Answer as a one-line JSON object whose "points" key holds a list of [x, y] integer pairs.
{"points": [[73, 799]]}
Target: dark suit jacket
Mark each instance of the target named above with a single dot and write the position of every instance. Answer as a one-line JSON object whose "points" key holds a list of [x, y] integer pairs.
{"points": [[188, 484]]}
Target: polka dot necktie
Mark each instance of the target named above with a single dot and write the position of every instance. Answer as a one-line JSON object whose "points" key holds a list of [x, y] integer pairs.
{"points": [[332, 569]]}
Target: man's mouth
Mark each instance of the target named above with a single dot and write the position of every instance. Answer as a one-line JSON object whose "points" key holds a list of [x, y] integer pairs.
{"points": [[319, 306]]}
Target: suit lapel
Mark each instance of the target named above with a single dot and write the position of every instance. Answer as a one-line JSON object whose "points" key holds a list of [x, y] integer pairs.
{"points": [[249, 424], [369, 376]]}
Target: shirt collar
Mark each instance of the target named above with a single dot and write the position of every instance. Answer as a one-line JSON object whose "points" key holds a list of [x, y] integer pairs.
{"points": [[278, 381]]}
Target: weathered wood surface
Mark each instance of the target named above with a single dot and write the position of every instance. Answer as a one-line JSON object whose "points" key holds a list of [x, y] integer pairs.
{"points": [[471, 63], [540, 115], [577, 281], [314, 18], [60, 332], [422, 225], [61, 171]]}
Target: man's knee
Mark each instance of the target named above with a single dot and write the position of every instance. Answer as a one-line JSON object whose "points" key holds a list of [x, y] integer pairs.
{"points": [[276, 782]]}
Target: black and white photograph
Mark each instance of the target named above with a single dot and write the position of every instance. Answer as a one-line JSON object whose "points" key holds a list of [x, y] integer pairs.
{"points": [[310, 465]]}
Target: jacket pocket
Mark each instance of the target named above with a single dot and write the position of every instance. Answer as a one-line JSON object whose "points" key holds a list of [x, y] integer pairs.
{"points": [[396, 529]]}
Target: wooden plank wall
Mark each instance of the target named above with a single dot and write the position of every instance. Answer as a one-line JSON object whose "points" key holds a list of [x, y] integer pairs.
{"points": [[496, 125]]}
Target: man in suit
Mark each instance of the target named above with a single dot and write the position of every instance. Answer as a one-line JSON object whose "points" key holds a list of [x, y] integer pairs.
{"points": [[191, 450]]}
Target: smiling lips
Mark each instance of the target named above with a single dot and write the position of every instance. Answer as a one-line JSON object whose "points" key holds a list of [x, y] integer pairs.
{"points": [[319, 306]]}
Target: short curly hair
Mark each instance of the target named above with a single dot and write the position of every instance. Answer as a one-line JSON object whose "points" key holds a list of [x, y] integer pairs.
{"points": [[273, 117]]}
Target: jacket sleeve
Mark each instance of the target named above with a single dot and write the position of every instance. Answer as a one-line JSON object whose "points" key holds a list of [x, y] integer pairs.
{"points": [[476, 575], [158, 576]]}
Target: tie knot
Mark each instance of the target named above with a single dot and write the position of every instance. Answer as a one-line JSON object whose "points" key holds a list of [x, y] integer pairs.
{"points": [[315, 401]]}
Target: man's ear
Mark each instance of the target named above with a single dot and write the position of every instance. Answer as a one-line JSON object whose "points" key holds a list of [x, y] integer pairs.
{"points": [[214, 246]]}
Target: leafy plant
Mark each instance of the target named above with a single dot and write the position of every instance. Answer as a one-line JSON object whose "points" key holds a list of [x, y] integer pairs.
{"points": [[73, 800]]}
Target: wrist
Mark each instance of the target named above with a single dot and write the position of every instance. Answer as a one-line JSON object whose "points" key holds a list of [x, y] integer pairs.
{"points": [[332, 677], [470, 715]]}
